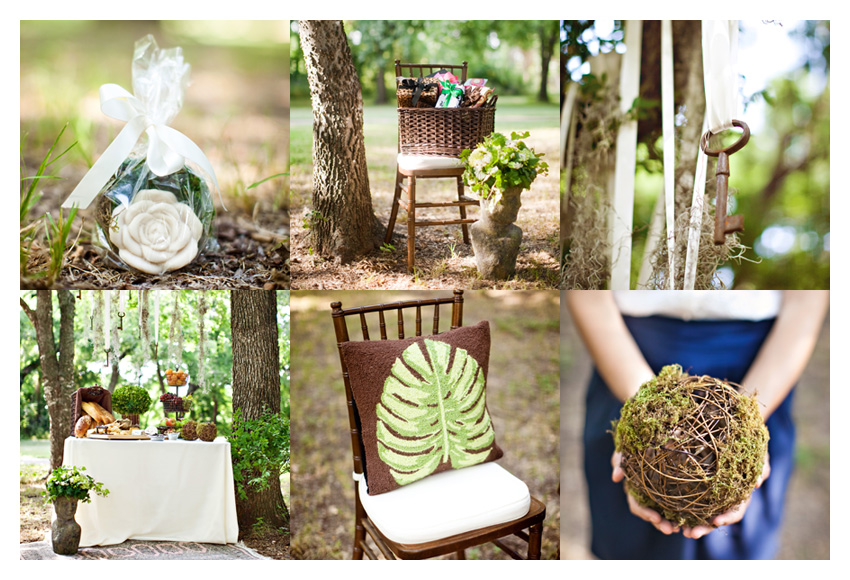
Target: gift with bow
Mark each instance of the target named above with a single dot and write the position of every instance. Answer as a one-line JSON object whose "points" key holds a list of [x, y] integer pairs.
{"points": [[153, 184]]}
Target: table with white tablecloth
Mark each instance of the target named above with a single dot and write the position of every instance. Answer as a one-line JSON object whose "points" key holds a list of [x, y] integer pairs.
{"points": [[158, 490]]}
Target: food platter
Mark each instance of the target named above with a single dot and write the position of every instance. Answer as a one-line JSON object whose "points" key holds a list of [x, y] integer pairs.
{"points": [[111, 437]]}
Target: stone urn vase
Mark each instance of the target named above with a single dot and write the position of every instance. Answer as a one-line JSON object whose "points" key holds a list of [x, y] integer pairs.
{"points": [[495, 237], [65, 530]]}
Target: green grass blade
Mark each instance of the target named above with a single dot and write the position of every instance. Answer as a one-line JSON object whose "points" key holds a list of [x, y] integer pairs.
{"points": [[253, 185]]}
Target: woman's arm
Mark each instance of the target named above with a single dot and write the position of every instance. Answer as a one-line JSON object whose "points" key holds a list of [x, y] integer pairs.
{"points": [[788, 347], [614, 351]]}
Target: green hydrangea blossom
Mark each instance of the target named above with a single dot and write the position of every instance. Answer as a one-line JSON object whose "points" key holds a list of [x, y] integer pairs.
{"points": [[499, 163]]}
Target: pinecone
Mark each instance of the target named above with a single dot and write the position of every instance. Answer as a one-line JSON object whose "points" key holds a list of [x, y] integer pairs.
{"points": [[207, 431], [189, 432]]}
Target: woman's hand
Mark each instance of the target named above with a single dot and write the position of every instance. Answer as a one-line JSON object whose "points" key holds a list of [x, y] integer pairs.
{"points": [[646, 514]]}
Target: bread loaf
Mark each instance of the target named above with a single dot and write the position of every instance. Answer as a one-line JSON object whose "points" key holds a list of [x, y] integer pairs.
{"points": [[84, 423], [98, 413]]}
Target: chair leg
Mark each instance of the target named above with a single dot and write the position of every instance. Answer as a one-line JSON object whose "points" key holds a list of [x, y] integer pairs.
{"points": [[359, 529], [394, 211], [535, 536], [462, 208], [460, 555], [411, 222]]}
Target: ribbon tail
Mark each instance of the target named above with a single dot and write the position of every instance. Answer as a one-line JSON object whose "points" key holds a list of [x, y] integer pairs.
{"points": [[106, 166], [184, 146]]}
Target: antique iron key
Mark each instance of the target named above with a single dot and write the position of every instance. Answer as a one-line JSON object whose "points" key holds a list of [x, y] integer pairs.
{"points": [[724, 224]]}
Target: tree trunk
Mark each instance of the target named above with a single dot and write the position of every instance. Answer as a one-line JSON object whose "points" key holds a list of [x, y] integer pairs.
{"points": [[342, 223], [548, 34], [57, 369], [380, 85], [256, 389]]}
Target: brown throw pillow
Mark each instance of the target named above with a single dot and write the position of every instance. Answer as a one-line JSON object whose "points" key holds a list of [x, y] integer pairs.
{"points": [[422, 405]]}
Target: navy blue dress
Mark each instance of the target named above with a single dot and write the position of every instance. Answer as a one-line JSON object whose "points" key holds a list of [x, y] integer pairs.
{"points": [[722, 349]]}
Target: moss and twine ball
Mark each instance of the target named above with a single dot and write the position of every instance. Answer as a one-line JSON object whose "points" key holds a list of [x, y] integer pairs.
{"points": [[692, 447]]}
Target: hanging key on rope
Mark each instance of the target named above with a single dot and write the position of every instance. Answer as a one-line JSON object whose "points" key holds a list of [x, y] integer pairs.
{"points": [[724, 224]]}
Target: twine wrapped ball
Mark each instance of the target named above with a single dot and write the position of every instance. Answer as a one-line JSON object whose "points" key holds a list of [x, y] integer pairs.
{"points": [[155, 233], [692, 447]]}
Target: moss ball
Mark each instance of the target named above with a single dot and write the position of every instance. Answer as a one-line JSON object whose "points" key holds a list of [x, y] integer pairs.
{"points": [[207, 431], [692, 447]]}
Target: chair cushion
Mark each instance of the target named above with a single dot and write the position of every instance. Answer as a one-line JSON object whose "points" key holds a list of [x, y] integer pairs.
{"points": [[418, 162], [422, 404], [449, 503]]}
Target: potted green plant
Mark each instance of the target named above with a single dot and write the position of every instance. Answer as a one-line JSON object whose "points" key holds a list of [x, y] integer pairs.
{"points": [[498, 170], [66, 486], [131, 401]]}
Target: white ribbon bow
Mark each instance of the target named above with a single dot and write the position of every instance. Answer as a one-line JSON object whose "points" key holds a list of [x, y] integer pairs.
{"points": [[168, 149]]}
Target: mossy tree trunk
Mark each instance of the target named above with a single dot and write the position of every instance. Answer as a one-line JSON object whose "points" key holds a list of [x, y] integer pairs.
{"points": [[57, 368], [256, 389], [342, 223]]}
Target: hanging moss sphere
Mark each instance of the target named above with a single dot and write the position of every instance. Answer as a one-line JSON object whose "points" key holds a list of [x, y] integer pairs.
{"points": [[692, 447]]}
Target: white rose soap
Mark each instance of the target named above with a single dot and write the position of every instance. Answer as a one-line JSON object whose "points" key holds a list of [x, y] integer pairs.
{"points": [[155, 233]]}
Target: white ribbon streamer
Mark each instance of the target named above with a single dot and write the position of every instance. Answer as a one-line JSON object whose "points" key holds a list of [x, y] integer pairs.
{"points": [[668, 114], [720, 67], [168, 149]]}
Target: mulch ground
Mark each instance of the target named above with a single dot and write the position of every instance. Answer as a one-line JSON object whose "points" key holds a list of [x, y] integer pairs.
{"points": [[247, 256]]}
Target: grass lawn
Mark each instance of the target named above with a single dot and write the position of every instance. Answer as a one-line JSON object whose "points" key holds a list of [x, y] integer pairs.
{"points": [[442, 260]]}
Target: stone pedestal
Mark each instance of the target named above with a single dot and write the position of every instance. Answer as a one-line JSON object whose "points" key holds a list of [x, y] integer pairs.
{"points": [[65, 530], [495, 237]]}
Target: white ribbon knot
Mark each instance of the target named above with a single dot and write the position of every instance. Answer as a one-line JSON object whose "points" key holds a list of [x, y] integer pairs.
{"points": [[168, 149]]}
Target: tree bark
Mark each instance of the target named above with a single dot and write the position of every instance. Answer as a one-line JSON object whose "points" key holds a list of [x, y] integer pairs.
{"points": [[57, 369], [256, 389], [342, 223]]}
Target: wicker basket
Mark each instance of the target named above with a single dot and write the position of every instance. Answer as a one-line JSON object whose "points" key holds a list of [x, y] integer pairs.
{"points": [[172, 407], [443, 132]]}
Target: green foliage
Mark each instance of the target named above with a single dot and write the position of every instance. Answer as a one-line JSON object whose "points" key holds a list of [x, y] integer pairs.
{"points": [[259, 449], [313, 218], [70, 481], [499, 163], [434, 416], [131, 400], [490, 48]]}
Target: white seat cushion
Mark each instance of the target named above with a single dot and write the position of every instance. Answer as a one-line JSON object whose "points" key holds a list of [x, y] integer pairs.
{"points": [[418, 162], [448, 503]]}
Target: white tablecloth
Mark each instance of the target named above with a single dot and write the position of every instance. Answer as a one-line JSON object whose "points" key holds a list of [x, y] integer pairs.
{"points": [[158, 490]]}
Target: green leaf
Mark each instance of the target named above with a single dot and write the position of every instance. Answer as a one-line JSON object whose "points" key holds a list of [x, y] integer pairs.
{"points": [[432, 412]]}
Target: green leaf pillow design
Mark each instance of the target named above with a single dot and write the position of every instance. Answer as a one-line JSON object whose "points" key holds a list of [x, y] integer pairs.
{"points": [[421, 404], [433, 415]]}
